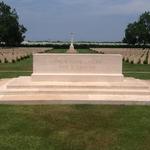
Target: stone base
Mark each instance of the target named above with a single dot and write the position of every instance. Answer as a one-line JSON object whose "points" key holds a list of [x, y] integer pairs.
{"points": [[71, 49], [77, 77], [23, 90]]}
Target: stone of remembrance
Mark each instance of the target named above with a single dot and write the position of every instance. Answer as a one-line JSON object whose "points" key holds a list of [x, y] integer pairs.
{"points": [[76, 79]]}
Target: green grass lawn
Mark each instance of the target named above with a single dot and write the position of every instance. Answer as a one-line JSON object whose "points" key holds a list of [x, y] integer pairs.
{"points": [[24, 67], [19, 68], [57, 51], [140, 71], [127, 67], [86, 51], [74, 127], [65, 50]]}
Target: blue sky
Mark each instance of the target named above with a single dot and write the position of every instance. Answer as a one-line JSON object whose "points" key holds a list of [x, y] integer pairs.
{"points": [[91, 20]]}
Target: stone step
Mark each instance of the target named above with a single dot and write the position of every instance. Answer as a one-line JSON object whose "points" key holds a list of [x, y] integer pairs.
{"points": [[26, 83], [23, 90], [76, 99], [75, 91], [76, 86]]}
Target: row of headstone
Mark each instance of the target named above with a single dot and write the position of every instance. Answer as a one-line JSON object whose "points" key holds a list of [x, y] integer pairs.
{"points": [[135, 56], [12, 55], [131, 55]]}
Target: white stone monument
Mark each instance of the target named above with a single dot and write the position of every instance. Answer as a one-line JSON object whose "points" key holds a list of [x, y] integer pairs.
{"points": [[77, 68], [71, 48]]}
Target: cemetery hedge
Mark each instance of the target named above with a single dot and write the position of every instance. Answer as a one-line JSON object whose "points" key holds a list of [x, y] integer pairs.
{"points": [[82, 46], [87, 46], [74, 127]]}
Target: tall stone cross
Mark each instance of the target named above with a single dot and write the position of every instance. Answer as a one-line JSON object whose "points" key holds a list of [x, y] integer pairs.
{"points": [[71, 48], [72, 36]]}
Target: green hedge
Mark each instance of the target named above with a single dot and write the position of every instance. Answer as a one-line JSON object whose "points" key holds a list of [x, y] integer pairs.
{"points": [[85, 46]]}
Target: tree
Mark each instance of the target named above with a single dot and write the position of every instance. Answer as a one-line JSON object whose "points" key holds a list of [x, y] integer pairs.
{"points": [[138, 32], [11, 32]]}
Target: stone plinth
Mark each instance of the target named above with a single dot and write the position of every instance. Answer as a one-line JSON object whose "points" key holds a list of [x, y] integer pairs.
{"points": [[71, 49], [77, 68]]}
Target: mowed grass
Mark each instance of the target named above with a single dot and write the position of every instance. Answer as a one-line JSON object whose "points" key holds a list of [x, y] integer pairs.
{"points": [[24, 67], [74, 127], [143, 76], [19, 68], [139, 71], [86, 51], [127, 67], [57, 51]]}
